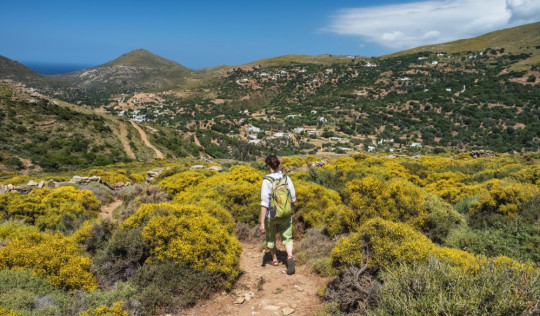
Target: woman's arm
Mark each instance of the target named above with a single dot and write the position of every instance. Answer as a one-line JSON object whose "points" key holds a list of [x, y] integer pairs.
{"points": [[263, 216]]}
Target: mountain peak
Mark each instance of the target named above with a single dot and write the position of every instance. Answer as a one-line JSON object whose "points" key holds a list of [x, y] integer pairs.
{"points": [[143, 58]]}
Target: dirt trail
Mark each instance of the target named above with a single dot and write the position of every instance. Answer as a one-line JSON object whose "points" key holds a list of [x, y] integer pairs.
{"points": [[275, 296], [106, 210], [123, 139], [144, 138]]}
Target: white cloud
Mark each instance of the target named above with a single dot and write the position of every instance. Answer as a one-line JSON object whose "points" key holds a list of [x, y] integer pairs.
{"points": [[414, 24], [523, 11]]}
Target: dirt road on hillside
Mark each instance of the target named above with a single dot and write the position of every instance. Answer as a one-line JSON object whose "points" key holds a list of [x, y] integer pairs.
{"points": [[144, 138], [123, 139], [265, 290]]}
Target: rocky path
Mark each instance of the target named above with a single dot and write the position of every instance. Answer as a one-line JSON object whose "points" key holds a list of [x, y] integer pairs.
{"points": [[145, 140], [265, 290], [106, 210]]}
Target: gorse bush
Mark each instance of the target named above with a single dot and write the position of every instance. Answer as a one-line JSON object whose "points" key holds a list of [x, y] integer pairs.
{"points": [[63, 209], [10, 230], [53, 257], [384, 243], [238, 191], [313, 202], [189, 235], [115, 310], [111, 176], [180, 181], [504, 198], [397, 200]]}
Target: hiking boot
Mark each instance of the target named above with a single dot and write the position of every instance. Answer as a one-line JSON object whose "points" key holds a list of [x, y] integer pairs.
{"points": [[290, 266]]}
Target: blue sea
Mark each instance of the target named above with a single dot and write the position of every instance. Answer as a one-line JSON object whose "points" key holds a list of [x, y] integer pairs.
{"points": [[53, 68]]}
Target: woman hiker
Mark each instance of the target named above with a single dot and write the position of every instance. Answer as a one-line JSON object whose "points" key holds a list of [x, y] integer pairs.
{"points": [[277, 196]]}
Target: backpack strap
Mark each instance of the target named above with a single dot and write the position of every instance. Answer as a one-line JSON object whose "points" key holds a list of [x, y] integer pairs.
{"points": [[269, 178]]}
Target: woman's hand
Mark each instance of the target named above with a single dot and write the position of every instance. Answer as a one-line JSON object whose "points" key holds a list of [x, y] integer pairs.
{"points": [[261, 228]]}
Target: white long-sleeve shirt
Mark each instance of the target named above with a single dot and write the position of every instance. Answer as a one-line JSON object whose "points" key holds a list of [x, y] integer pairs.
{"points": [[266, 189]]}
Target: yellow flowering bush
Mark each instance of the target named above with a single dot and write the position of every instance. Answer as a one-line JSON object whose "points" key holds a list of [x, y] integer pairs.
{"points": [[115, 310], [388, 243], [397, 200], [53, 257], [219, 212], [8, 312], [63, 209], [312, 201], [453, 191], [238, 191], [312, 159], [188, 235], [116, 176], [12, 230], [295, 161], [16, 180], [137, 177], [180, 181], [528, 175], [504, 198]]}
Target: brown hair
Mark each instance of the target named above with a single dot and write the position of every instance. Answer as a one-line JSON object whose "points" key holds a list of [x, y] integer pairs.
{"points": [[272, 161]]}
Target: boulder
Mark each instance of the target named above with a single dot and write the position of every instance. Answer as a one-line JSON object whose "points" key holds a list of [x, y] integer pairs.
{"points": [[10, 187], [197, 167], [94, 179], [51, 184], [216, 168], [41, 184], [32, 183], [76, 179]]}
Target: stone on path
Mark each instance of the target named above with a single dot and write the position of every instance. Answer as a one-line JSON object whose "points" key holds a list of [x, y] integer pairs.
{"points": [[287, 311], [271, 307], [240, 300]]}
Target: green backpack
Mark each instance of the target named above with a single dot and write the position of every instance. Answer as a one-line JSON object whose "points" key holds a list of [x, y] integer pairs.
{"points": [[280, 200]]}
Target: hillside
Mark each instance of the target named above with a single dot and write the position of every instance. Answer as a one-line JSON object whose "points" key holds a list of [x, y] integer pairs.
{"points": [[13, 70], [479, 93], [516, 40], [416, 102], [139, 70], [40, 133]]}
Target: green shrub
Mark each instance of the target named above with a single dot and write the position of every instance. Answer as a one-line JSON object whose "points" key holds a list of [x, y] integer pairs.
{"points": [[125, 292], [315, 250], [124, 253], [167, 286], [441, 218], [433, 287], [102, 192], [25, 293]]}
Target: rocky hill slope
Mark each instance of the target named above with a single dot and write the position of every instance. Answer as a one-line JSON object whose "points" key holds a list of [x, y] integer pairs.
{"points": [[37, 132]]}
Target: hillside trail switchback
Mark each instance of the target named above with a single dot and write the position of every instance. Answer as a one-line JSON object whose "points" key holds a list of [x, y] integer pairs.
{"points": [[144, 138], [264, 290]]}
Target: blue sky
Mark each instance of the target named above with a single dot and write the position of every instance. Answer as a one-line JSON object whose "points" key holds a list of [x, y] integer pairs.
{"points": [[200, 34]]}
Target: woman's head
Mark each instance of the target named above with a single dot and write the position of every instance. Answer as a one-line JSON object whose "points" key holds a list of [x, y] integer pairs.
{"points": [[272, 161]]}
